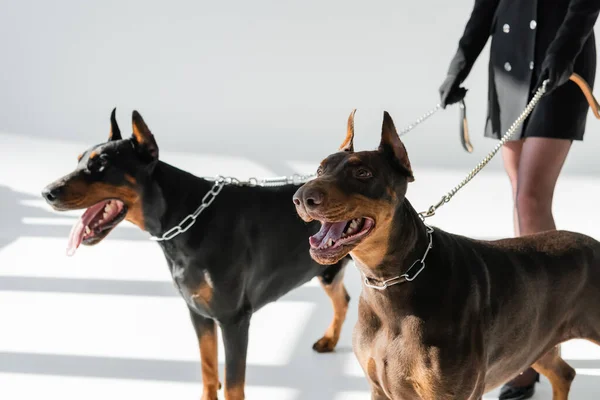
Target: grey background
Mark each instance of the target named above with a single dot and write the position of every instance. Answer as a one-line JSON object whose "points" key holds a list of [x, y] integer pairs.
{"points": [[265, 80]]}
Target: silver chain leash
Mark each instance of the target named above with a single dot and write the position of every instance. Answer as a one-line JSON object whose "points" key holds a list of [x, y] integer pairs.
{"points": [[511, 131], [221, 181], [421, 119], [294, 179]]}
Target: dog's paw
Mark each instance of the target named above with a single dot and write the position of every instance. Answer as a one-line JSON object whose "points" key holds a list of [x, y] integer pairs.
{"points": [[324, 345], [210, 393]]}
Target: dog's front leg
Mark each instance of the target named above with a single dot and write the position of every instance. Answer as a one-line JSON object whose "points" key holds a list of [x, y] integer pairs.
{"points": [[235, 341], [206, 330], [332, 281]]}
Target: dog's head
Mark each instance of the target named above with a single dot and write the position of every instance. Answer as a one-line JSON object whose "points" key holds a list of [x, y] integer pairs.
{"points": [[107, 182], [355, 195]]}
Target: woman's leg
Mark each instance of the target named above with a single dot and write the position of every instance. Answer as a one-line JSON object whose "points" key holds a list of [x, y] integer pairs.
{"points": [[511, 155], [538, 168], [541, 161]]}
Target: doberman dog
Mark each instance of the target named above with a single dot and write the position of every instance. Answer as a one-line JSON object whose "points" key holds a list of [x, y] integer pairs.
{"points": [[443, 316], [244, 251]]}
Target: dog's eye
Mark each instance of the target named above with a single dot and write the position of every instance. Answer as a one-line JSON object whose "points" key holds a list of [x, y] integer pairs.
{"points": [[362, 173], [98, 164], [102, 162], [320, 171]]}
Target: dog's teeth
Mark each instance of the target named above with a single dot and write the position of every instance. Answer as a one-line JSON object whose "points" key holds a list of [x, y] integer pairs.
{"points": [[88, 230], [330, 242], [109, 208]]}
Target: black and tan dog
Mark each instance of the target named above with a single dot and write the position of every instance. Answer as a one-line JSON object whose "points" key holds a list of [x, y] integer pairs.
{"points": [[443, 316], [246, 250]]}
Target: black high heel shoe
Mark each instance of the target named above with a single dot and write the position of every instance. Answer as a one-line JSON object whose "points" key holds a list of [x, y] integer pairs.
{"points": [[518, 393]]}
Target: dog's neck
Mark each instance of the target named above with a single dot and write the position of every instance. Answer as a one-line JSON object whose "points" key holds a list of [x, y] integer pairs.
{"points": [[394, 249], [169, 195]]}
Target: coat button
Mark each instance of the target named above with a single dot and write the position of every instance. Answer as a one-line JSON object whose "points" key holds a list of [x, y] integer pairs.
{"points": [[506, 28], [531, 65], [532, 24], [507, 66]]}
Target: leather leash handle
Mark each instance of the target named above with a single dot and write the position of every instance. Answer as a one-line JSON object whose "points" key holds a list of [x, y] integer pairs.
{"points": [[464, 128], [587, 92]]}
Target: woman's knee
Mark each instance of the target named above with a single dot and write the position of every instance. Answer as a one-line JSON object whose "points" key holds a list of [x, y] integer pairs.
{"points": [[533, 203]]}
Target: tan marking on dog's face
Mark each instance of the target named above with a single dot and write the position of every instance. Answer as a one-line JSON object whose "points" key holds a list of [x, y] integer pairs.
{"points": [[80, 194], [130, 179], [93, 155], [354, 159], [372, 250], [342, 207]]}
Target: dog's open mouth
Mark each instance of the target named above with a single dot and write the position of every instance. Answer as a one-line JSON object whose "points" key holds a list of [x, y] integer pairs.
{"points": [[334, 235], [95, 223]]}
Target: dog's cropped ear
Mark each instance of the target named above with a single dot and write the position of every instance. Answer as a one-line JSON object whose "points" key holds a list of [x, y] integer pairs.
{"points": [[391, 144], [348, 144], [142, 137], [115, 132]]}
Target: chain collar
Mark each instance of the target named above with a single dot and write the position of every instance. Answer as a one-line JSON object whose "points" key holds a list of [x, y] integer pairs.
{"points": [[209, 197], [408, 276]]}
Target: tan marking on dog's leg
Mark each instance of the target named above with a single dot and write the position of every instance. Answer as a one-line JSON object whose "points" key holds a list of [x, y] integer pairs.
{"points": [[339, 299], [559, 373], [210, 366], [235, 392]]}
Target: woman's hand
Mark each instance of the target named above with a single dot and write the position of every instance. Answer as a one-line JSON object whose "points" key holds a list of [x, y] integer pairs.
{"points": [[557, 70], [450, 92]]}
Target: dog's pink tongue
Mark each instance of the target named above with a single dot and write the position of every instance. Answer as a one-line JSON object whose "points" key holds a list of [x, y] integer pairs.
{"points": [[78, 230], [328, 231]]}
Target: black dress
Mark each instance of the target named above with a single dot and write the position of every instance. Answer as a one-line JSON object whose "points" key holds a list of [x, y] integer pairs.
{"points": [[523, 32]]}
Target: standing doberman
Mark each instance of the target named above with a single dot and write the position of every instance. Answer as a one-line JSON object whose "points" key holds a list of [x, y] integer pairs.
{"points": [[442, 316], [246, 250]]}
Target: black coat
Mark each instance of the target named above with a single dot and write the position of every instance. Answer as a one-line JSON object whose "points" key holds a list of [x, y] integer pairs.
{"points": [[524, 33]]}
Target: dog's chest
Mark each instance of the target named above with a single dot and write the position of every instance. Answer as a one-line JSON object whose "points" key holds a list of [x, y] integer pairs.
{"points": [[395, 361], [195, 286]]}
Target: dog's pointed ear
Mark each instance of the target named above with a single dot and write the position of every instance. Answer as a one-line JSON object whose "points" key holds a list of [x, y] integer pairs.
{"points": [[115, 132], [391, 144], [348, 144], [142, 137]]}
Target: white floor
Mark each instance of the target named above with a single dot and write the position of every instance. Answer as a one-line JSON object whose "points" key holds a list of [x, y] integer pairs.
{"points": [[108, 324]]}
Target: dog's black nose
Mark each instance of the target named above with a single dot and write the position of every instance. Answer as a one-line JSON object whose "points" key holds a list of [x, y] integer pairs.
{"points": [[51, 194]]}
